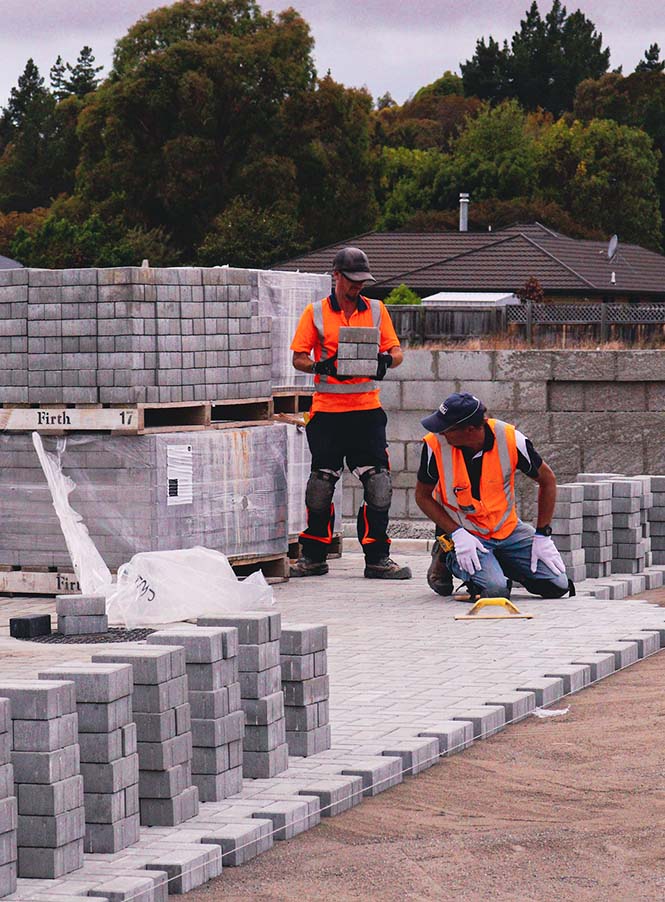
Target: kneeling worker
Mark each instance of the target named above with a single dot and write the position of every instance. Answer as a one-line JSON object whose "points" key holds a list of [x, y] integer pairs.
{"points": [[466, 485]]}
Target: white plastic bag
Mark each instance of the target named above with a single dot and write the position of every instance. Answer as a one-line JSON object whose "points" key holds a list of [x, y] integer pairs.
{"points": [[169, 586]]}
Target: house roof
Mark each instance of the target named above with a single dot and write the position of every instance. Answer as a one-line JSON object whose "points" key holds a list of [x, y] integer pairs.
{"points": [[498, 261], [7, 263]]}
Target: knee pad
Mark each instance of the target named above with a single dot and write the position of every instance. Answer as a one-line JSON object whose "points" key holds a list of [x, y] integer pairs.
{"points": [[378, 487], [320, 490], [548, 588]]}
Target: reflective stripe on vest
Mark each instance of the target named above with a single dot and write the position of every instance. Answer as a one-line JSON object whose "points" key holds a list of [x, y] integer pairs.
{"points": [[342, 388], [447, 480]]}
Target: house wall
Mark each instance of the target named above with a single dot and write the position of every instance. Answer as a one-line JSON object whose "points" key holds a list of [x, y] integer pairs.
{"points": [[584, 411]]}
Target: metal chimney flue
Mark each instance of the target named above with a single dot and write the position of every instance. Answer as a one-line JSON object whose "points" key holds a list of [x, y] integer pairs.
{"points": [[464, 212]]}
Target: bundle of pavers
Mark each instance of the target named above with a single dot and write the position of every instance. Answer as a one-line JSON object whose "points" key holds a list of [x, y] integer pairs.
{"points": [[357, 350], [163, 727], [265, 752], [217, 718], [305, 682], [629, 546], [81, 614], [597, 528], [567, 529], [45, 759], [8, 808], [109, 761], [657, 519]]}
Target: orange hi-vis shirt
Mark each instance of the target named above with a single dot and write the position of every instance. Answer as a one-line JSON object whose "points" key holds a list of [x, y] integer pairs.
{"points": [[307, 339]]}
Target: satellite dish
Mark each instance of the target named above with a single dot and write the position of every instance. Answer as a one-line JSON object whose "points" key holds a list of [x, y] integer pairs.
{"points": [[612, 246]]}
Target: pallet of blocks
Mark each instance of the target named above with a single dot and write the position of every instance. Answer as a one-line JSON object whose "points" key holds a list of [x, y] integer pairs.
{"points": [[630, 498], [265, 752], [218, 721], [657, 519], [305, 681], [109, 759], [163, 729], [49, 785]]}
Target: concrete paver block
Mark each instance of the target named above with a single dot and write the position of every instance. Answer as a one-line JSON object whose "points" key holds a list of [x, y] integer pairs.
{"points": [[378, 773], [95, 683], [187, 868], [574, 676], [647, 643], [290, 818], [486, 720], [517, 705], [416, 754], [625, 653], [602, 665], [453, 736], [546, 690]]}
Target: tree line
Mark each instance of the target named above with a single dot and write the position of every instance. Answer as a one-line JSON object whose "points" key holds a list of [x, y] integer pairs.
{"points": [[213, 140]]}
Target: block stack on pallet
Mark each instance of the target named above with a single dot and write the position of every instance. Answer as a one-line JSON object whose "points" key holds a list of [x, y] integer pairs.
{"points": [[646, 504], [81, 614], [304, 662], [14, 335], [657, 520], [597, 528], [218, 721], [163, 726], [629, 546], [49, 786], [265, 752], [357, 351], [109, 759], [567, 526], [8, 806]]}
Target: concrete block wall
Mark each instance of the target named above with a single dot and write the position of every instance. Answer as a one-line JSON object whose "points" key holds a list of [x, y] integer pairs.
{"points": [[593, 411]]}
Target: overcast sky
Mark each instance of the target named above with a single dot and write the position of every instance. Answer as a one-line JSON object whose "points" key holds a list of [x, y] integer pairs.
{"points": [[386, 45]]}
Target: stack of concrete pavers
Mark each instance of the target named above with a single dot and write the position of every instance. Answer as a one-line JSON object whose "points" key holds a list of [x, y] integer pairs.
{"points": [[218, 721], [45, 758], [567, 529], [265, 752], [109, 760], [81, 614], [357, 350], [657, 519], [306, 686], [163, 727], [8, 808], [14, 335], [646, 503], [597, 528], [628, 545]]}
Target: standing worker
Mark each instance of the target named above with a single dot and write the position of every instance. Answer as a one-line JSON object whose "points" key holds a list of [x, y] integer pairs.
{"points": [[466, 485], [346, 421]]}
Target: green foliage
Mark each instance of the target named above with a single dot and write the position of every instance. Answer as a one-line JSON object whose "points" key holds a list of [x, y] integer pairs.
{"points": [[547, 58], [82, 78], [403, 295], [652, 61], [605, 175], [406, 183], [244, 235], [58, 78], [448, 84], [428, 121]]}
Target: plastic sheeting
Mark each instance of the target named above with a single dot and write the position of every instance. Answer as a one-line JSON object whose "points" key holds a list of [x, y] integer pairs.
{"points": [[299, 464], [283, 296], [221, 489]]}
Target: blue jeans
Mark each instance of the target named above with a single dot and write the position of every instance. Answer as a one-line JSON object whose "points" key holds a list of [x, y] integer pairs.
{"points": [[510, 558]]}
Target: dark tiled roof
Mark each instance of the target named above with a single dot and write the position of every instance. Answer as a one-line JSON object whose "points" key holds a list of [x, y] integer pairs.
{"points": [[498, 261]]}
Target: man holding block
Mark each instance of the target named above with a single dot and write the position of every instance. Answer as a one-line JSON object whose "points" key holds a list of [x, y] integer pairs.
{"points": [[354, 343]]}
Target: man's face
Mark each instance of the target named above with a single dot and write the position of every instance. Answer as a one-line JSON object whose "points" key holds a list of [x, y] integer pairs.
{"points": [[465, 436], [347, 288]]}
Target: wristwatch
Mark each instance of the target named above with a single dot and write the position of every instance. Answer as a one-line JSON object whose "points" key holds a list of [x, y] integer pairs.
{"points": [[544, 530]]}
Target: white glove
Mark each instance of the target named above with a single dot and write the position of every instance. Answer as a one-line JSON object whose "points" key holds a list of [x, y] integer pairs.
{"points": [[467, 547], [544, 550]]}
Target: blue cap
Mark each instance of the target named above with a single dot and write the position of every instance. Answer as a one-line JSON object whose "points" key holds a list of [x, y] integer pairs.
{"points": [[456, 410]]}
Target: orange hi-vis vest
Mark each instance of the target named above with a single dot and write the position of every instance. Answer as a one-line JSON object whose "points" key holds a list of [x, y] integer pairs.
{"points": [[327, 325], [494, 516]]}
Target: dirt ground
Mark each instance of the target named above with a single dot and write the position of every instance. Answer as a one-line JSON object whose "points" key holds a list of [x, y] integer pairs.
{"points": [[567, 808]]}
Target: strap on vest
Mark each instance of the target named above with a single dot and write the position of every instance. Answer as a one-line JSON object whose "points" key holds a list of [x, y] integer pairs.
{"points": [[342, 388]]}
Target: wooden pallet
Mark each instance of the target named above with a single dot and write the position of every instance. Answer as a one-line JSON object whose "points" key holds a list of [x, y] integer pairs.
{"points": [[136, 419], [50, 581], [335, 547], [292, 402]]}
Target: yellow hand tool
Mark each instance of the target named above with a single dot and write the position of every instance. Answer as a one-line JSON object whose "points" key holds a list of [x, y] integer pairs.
{"points": [[511, 611]]}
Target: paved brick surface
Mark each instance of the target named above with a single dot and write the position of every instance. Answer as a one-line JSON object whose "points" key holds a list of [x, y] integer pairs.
{"points": [[400, 667]]}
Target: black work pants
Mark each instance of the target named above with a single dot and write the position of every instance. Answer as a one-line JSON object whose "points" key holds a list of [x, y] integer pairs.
{"points": [[358, 438]]}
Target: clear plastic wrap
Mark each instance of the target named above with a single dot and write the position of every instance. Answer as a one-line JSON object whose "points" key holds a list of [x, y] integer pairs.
{"points": [[283, 296], [221, 489], [299, 464]]}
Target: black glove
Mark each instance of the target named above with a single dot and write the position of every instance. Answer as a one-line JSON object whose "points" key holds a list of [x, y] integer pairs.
{"points": [[326, 367], [384, 360]]}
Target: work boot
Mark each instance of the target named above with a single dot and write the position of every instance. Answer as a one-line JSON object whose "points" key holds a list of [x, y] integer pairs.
{"points": [[305, 566], [385, 568], [439, 577]]}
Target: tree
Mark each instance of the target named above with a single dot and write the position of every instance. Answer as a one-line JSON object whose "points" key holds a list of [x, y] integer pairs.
{"points": [[403, 295], [406, 183], [57, 78], [652, 61], [532, 290], [244, 235], [604, 174], [546, 60], [448, 84], [385, 102], [82, 76]]}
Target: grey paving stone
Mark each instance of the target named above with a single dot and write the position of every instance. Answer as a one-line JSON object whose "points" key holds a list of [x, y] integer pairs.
{"points": [[46, 831], [486, 720], [155, 727], [258, 657], [112, 837], [170, 812], [95, 683], [150, 664], [261, 684], [377, 773], [35, 700], [101, 748], [647, 643], [602, 665], [625, 653], [219, 786], [50, 798], [214, 732], [165, 784], [81, 605], [262, 765], [73, 625], [189, 868], [202, 644], [517, 705], [253, 628], [264, 710], [50, 863], [123, 889], [417, 754], [241, 841], [574, 676], [303, 638], [306, 692], [45, 735], [111, 777], [290, 818], [46, 767], [453, 736], [104, 718]]}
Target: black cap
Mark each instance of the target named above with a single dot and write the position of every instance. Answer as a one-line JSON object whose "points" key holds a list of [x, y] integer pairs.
{"points": [[353, 263], [457, 410]]}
